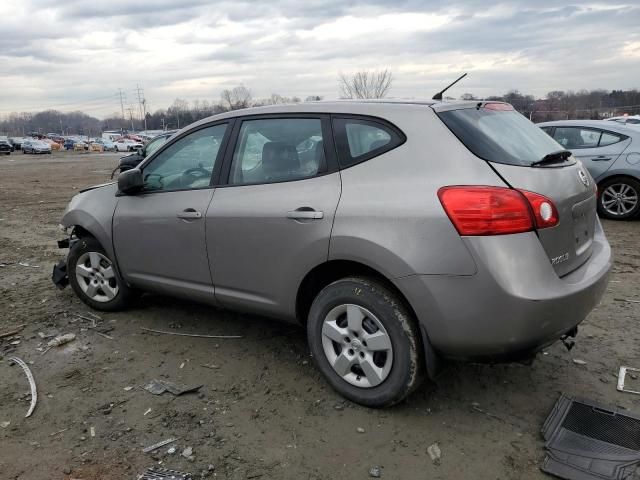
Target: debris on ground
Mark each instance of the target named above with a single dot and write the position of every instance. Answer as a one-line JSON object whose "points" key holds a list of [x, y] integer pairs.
{"points": [[13, 331], [626, 300], [189, 334], [5, 424], [159, 473], [578, 361], [61, 340], [360, 430], [188, 453], [158, 387], [27, 264], [375, 472], [621, 378], [158, 445], [434, 453], [32, 384]]}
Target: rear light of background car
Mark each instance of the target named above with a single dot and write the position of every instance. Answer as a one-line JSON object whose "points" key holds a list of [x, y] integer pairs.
{"points": [[481, 210]]}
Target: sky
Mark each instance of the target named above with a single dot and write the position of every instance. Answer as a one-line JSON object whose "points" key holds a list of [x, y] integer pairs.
{"points": [[77, 54]]}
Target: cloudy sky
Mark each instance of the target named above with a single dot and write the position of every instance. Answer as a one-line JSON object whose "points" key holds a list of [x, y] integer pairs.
{"points": [[76, 54]]}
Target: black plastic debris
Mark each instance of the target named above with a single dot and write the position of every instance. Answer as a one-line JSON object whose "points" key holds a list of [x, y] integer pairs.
{"points": [[159, 473], [588, 441], [59, 276]]}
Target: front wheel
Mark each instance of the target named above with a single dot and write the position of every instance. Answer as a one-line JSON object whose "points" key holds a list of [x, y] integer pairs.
{"points": [[365, 341], [619, 198], [94, 278]]}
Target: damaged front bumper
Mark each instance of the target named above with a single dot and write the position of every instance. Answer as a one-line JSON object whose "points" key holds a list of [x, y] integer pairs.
{"points": [[60, 276]]}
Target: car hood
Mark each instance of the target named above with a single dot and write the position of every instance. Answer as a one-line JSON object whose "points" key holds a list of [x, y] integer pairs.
{"points": [[93, 187]]}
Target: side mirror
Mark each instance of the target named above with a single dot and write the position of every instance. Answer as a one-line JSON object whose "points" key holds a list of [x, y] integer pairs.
{"points": [[141, 152], [130, 181]]}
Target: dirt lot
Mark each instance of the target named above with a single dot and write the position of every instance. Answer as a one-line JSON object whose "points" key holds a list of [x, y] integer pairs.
{"points": [[263, 410]]}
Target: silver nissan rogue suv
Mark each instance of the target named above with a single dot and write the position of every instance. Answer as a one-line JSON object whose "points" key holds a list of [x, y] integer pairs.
{"points": [[396, 233]]}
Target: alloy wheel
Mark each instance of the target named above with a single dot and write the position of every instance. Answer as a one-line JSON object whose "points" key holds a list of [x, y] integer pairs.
{"points": [[357, 346], [96, 277], [619, 199]]}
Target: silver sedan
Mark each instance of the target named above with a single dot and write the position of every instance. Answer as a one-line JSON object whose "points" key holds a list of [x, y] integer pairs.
{"points": [[611, 153]]}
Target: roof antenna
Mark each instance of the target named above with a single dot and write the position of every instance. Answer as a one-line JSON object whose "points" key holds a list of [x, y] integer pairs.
{"points": [[438, 96]]}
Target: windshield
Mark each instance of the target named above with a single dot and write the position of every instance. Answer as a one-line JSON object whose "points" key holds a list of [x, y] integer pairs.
{"points": [[501, 136]]}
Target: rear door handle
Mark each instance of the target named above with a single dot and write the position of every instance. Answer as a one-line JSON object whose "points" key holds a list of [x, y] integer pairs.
{"points": [[601, 158], [189, 214], [305, 215]]}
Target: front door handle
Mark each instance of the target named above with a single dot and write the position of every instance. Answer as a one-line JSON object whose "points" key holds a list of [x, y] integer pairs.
{"points": [[601, 158], [189, 214], [305, 215]]}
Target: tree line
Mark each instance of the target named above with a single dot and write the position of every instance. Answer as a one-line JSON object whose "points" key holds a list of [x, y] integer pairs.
{"points": [[592, 104]]}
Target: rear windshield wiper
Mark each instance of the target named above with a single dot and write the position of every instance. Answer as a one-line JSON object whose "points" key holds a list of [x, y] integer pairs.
{"points": [[553, 157]]}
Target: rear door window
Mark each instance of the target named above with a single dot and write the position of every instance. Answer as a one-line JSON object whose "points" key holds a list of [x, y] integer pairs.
{"points": [[360, 139], [573, 138], [497, 133], [608, 138], [278, 150]]}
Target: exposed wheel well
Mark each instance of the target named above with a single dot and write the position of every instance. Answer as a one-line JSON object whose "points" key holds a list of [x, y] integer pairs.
{"points": [[329, 272], [81, 232]]}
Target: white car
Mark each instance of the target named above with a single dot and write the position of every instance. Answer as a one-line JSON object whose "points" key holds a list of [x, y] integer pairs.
{"points": [[626, 120], [127, 145]]}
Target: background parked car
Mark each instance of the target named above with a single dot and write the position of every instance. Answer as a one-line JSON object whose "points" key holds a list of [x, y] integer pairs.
{"points": [[5, 146], [132, 161], [626, 119], [16, 142], [35, 146], [127, 145], [611, 153], [107, 145], [70, 144]]}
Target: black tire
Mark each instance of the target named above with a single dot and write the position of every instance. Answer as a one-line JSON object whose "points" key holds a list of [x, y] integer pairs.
{"points": [[602, 197], [124, 295], [407, 366]]}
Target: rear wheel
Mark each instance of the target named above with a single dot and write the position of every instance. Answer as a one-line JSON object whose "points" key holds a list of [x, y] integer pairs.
{"points": [[365, 341], [619, 198], [94, 278]]}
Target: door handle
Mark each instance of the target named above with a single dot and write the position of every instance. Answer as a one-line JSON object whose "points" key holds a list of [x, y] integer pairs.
{"points": [[305, 215], [189, 214], [601, 158]]}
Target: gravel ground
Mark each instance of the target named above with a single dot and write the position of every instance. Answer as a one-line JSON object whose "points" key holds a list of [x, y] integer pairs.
{"points": [[263, 411]]}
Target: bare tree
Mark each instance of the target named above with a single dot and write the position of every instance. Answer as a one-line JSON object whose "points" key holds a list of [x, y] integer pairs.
{"points": [[236, 98], [365, 84]]}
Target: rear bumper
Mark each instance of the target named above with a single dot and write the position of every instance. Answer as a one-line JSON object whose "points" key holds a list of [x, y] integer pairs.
{"points": [[515, 304]]}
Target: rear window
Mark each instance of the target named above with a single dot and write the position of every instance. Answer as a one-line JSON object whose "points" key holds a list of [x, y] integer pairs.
{"points": [[501, 136]]}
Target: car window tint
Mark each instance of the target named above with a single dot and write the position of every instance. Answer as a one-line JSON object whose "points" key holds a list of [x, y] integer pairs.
{"points": [[187, 163], [365, 138], [154, 144], [360, 139], [609, 139], [278, 150], [576, 137]]}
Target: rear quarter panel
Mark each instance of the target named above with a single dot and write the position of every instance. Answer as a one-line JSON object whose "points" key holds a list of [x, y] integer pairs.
{"points": [[389, 216]]}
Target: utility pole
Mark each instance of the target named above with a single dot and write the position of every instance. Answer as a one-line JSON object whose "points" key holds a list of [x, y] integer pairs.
{"points": [[130, 110], [143, 105], [121, 93]]}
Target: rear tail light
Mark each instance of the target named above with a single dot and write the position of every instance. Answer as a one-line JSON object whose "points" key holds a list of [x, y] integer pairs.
{"points": [[480, 210]]}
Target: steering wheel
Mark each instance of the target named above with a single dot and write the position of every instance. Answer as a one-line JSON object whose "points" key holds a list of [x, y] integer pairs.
{"points": [[197, 172]]}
